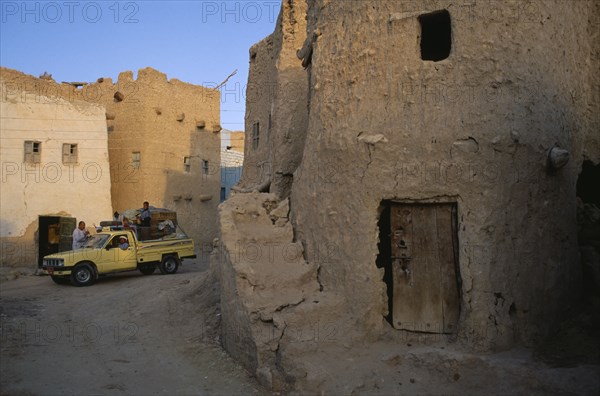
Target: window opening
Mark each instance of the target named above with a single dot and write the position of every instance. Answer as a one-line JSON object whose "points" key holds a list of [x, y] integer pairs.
{"points": [[69, 153], [136, 159], [33, 152], [436, 35]]}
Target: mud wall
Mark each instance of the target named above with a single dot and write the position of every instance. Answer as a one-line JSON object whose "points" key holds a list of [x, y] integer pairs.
{"points": [[267, 288], [166, 121], [475, 128], [493, 116], [276, 101]]}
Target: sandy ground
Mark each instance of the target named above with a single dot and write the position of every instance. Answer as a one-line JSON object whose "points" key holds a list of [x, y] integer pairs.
{"points": [[128, 334], [131, 334]]}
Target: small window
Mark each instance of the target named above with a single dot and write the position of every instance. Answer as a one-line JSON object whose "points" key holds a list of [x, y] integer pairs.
{"points": [[69, 153], [223, 194], [270, 124], [187, 164], [255, 135], [205, 167], [33, 152], [436, 35], [136, 159]]}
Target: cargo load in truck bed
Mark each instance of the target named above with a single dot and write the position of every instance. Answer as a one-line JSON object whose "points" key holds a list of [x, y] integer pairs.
{"points": [[162, 223]]}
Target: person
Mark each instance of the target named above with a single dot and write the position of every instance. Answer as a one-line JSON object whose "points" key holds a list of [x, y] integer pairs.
{"points": [[123, 243], [116, 216], [145, 215], [80, 236], [126, 223]]}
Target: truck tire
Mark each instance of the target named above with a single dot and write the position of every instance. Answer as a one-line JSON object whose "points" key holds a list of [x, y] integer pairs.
{"points": [[83, 275], [60, 280], [147, 269], [169, 265]]}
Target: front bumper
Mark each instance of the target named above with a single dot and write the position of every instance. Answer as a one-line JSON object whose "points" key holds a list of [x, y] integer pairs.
{"points": [[58, 271]]}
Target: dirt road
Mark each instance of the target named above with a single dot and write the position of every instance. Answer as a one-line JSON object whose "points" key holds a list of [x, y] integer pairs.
{"points": [[127, 334], [131, 334]]}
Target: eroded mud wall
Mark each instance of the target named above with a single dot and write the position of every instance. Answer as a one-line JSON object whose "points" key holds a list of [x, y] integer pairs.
{"points": [[276, 105], [474, 128], [491, 116]]}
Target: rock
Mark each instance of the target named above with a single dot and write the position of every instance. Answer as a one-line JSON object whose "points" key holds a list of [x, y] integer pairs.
{"points": [[372, 139], [557, 158], [468, 145], [393, 359]]}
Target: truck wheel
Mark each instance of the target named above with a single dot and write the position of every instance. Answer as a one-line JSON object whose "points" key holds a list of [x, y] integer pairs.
{"points": [[169, 265], [60, 280], [83, 275], [147, 269]]}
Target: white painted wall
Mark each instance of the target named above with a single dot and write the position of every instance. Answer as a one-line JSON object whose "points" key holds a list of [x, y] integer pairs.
{"points": [[81, 190]]}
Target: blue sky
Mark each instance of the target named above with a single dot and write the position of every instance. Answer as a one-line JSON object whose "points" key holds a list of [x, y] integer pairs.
{"points": [[200, 42]]}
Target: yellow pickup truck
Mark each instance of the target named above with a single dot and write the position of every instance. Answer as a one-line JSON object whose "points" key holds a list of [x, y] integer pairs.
{"points": [[115, 251]]}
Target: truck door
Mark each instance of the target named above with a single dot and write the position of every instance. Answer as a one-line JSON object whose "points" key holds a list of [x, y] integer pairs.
{"points": [[116, 259]]}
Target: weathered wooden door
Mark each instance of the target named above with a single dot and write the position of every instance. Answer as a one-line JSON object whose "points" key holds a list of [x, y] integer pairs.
{"points": [[67, 226], [425, 286]]}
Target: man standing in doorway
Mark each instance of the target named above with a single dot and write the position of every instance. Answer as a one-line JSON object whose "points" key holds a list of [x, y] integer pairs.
{"points": [[80, 236]]}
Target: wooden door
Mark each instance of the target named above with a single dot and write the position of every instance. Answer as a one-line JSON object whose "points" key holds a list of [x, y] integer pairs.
{"points": [[66, 226], [425, 286]]}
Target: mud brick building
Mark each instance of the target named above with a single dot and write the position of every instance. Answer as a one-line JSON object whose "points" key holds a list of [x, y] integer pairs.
{"points": [[162, 138], [424, 178], [53, 152]]}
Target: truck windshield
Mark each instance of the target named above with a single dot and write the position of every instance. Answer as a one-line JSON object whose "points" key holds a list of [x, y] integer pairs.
{"points": [[97, 241]]}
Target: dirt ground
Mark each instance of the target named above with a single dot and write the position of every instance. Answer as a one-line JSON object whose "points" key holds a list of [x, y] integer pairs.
{"points": [[131, 334], [128, 334]]}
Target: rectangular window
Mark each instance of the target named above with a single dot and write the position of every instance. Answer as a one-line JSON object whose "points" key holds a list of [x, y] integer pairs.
{"points": [[187, 164], [69, 153], [223, 194], [269, 127], [255, 135], [436, 35], [33, 152], [205, 167], [136, 159]]}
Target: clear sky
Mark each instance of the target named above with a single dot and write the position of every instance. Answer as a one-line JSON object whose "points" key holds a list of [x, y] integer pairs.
{"points": [[200, 42]]}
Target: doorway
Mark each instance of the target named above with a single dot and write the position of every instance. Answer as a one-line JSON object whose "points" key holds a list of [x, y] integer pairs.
{"points": [[55, 234], [418, 250]]}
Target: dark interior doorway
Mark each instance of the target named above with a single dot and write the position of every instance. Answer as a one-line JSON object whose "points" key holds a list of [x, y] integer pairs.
{"points": [[55, 234], [588, 183], [588, 228], [384, 258]]}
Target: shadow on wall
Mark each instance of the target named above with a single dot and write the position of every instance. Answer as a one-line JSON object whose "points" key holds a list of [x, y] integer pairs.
{"points": [[193, 191]]}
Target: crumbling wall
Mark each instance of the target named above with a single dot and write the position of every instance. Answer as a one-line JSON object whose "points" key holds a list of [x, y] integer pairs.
{"points": [[276, 101], [263, 278], [499, 129]]}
